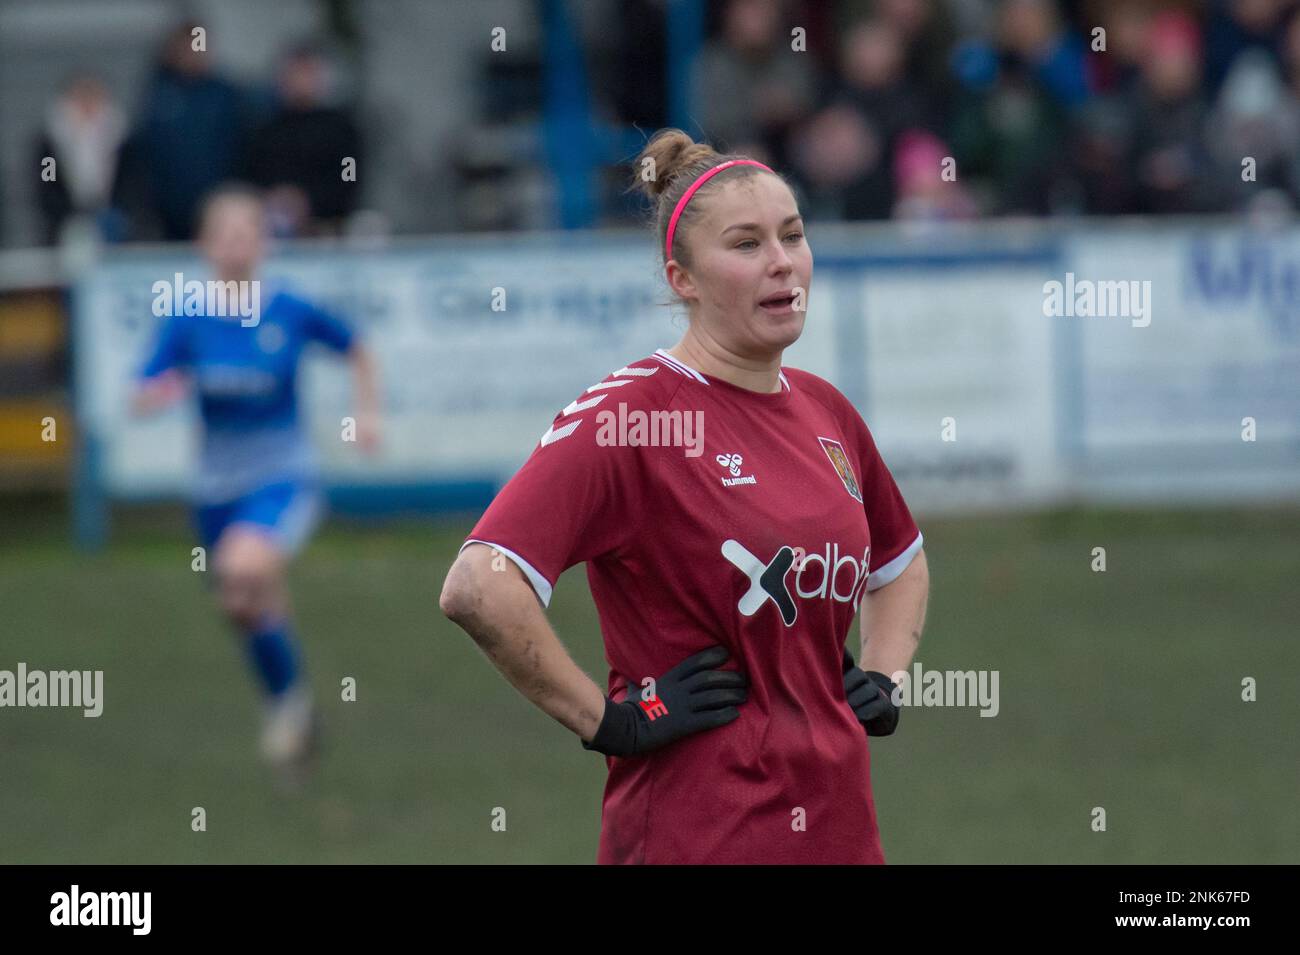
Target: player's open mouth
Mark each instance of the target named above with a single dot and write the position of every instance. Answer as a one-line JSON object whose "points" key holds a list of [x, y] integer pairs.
{"points": [[781, 303]]}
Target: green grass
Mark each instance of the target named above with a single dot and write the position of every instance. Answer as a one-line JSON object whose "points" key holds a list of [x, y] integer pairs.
{"points": [[1118, 689]]}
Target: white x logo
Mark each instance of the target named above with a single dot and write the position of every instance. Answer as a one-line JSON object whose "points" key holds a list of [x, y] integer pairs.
{"points": [[766, 581]]}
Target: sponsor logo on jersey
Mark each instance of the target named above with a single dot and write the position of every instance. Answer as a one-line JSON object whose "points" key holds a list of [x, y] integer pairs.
{"points": [[234, 381], [828, 576], [732, 463], [835, 451]]}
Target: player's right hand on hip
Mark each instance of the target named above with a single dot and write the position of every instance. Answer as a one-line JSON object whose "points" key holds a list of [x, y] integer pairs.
{"points": [[691, 697]]}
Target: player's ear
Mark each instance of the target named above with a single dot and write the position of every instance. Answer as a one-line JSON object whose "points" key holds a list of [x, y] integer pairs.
{"points": [[680, 281]]}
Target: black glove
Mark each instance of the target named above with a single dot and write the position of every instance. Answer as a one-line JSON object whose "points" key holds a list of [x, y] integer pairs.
{"points": [[871, 695], [693, 696]]}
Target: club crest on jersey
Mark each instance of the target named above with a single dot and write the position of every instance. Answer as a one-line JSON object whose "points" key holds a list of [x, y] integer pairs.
{"points": [[270, 338], [835, 451]]}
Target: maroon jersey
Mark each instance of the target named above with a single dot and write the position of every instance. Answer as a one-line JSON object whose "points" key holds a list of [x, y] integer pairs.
{"points": [[708, 513]]}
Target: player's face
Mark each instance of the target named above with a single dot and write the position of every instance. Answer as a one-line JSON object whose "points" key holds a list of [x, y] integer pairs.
{"points": [[748, 247], [233, 238]]}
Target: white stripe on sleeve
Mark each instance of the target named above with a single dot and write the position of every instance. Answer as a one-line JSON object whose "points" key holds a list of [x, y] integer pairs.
{"points": [[540, 584], [890, 571]]}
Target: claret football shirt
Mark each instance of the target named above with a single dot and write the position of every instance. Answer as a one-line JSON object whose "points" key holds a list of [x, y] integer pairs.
{"points": [[708, 513]]}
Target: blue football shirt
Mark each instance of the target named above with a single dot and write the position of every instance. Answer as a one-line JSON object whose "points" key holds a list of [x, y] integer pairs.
{"points": [[246, 379]]}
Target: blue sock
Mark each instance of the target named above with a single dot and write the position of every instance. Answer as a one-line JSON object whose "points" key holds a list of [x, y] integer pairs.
{"points": [[275, 655]]}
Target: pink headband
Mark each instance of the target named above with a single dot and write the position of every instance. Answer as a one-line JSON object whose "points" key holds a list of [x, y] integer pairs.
{"points": [[686, 196]]}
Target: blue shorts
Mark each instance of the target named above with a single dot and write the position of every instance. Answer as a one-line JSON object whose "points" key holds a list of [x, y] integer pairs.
{"points": [[287, 512]]}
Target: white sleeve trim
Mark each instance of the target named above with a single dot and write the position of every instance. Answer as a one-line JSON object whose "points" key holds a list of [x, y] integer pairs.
{"points": [[540, 583], [890, 571]]}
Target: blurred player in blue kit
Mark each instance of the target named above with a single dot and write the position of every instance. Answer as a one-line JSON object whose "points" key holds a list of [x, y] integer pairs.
{"points": [[257, 497]]}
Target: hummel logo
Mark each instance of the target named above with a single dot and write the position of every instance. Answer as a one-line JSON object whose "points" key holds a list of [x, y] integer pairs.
{"points": [[766, 581], [732, 462]]}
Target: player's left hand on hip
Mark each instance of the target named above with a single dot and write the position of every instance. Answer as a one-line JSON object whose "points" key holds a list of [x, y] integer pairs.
{"points": [[871, 695]]}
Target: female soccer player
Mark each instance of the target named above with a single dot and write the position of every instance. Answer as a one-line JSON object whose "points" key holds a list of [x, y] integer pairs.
{"points": [[256, 497], [726, 581]]}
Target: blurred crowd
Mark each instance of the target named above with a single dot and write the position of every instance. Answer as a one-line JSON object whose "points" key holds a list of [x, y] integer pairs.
{"points": [[878, 109], [145, 178], [950, 109]]}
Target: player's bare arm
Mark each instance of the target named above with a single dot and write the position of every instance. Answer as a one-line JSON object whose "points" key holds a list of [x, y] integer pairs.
{"points": [[365, 389], [893, 617], [499, 610]]}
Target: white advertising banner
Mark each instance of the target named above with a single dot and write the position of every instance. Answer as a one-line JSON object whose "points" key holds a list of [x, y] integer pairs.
{"points": [[1197, 394], [1109, 363], [959, 383], [477, 349]]}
